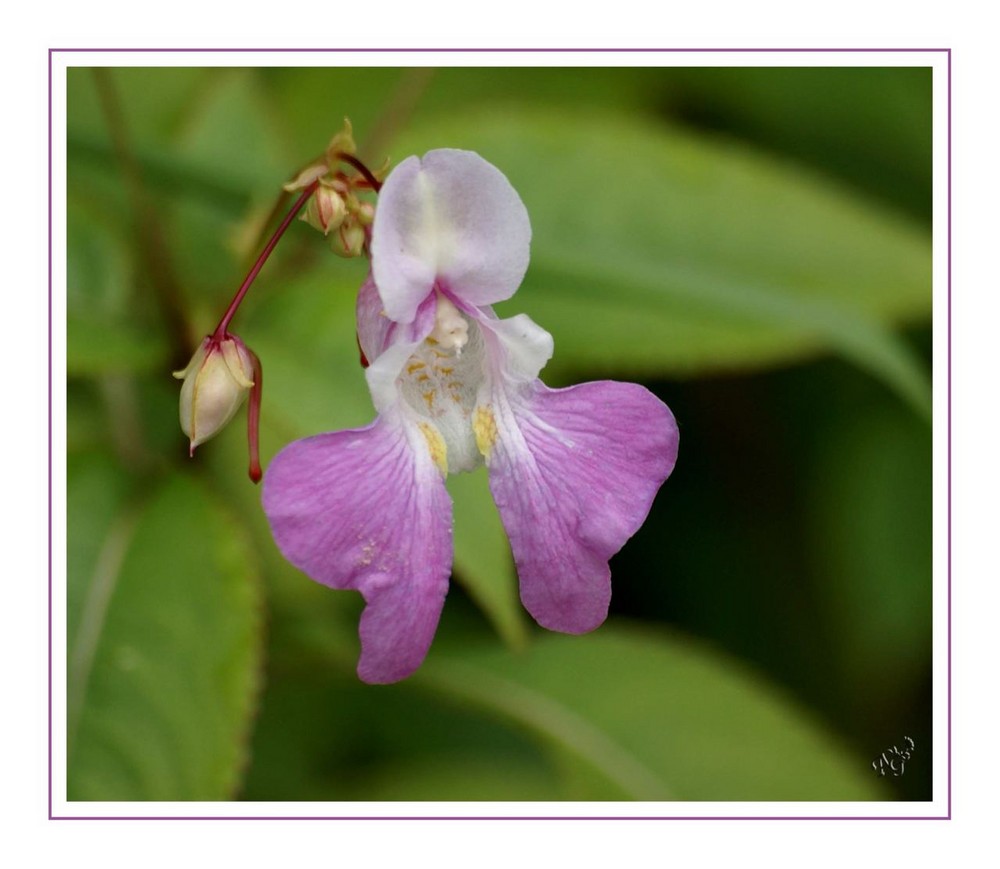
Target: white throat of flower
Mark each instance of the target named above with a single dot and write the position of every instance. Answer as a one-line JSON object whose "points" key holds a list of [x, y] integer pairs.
{"points": [[440, 384], [451, 329]]}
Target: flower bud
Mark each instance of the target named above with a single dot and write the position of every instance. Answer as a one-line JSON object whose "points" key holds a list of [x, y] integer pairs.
{"points": [[216, 382], [349, 240], [365, 213], [325, 210]]}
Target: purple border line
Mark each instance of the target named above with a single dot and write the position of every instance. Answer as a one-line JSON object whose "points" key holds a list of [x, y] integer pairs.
{"points": [[948, 88], [948, 266], [50, 436], [604, 50], [500, 818]]}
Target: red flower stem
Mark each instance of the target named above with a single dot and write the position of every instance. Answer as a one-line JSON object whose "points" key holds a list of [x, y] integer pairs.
{"points": [[222, 329], [253, 419]]}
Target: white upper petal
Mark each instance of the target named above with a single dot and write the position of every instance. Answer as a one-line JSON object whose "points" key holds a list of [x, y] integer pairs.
{"points": [[450, 220]]}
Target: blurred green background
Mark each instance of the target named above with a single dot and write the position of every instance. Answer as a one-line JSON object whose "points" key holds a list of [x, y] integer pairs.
{"points": [[752, 244]]}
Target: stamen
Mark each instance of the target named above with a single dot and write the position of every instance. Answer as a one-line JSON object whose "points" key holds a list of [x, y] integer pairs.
{"points": [[451, 329]]}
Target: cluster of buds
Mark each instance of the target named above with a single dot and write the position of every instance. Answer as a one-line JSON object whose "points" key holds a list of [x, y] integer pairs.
{"points": [[223, 370], [335, 208]]}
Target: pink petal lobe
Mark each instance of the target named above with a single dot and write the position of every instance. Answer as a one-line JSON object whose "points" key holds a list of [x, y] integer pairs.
{"points": [[574, 473], [366, 509], [373, 325]]}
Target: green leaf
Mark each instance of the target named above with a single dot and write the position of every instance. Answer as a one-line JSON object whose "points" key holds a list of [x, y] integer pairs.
{"points": [[869, 534], [153, 100], [95, 347], [98, 275], [385, 743], [380, 100], [660, 252], [103, 331], [650, 716], [164, 663], [233, 132], [96, 488], [231, 136], [483, 563], [455, 777], [871, 125]]}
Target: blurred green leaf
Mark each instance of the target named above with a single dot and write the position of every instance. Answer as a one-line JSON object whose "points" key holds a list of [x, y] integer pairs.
{"points": [[871, 125], [231, 135], [323, 735], [99, 273], [468, 778], [162, 171], [94, 347], [869, 531], [164, 665], [153, 99], [381, 101], [96, 488], [661, 252], [483, 563], [86, 419], [233, 131], [650, 716], [108, 329]]}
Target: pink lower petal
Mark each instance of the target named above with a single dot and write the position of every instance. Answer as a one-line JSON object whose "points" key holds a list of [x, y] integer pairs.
{"points": [[367, 509], [574, 473]]}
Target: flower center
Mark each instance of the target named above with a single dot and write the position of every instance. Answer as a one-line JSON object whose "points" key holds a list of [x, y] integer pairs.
{"points": [[440, 383]]}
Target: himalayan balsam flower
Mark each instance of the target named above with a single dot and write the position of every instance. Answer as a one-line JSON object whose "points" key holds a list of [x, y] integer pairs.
{"points": [[573, 471]]}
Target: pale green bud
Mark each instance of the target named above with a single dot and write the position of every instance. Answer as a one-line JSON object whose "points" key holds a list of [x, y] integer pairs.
{"points": [[217, 381], [365, 213], [349, 240]]}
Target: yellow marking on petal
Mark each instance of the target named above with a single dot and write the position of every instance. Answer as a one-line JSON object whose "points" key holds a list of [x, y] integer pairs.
{"points": [[435, 443], [429, 398], [433, 342], [445, 371], [414, 366], [484, 427], [423, 378]]}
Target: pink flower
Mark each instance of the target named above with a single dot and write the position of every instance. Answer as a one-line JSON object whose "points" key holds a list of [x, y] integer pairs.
{"points": [[573, 471]]}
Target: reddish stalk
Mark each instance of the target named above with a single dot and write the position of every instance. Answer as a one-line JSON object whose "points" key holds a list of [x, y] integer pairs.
{"points": [[222, 329], [373, 182], [253, 419]]}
